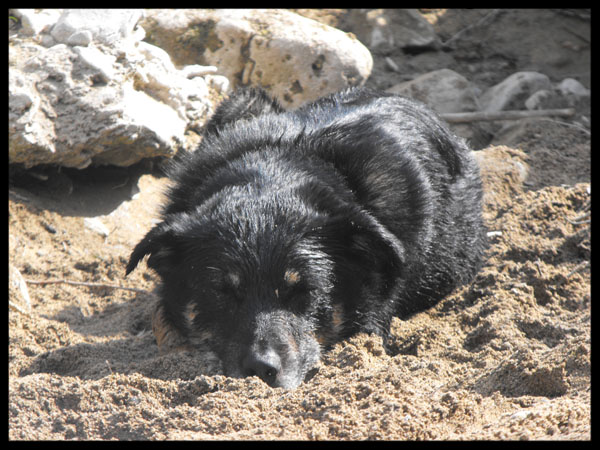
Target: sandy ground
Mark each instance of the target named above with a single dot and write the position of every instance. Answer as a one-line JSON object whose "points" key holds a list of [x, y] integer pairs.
{"points": [[507, 357]]}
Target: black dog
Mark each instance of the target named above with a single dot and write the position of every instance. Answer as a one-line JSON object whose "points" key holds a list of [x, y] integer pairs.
{"points": [[288, 231]]}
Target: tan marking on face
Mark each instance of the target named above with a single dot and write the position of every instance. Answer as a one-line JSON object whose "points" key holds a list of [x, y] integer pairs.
{"points": [[321, 339], [291, 277], [332, 334], [337, 318], [168, 339], [190, 312], [293, 344], [158, 326]]}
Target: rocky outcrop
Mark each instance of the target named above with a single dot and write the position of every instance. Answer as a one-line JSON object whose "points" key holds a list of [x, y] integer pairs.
{"points": [[102, 97], [294, 58]]}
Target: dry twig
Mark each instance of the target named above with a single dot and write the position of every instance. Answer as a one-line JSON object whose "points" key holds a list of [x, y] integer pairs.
{"points": [[86, 284], [479, 116], [578, 268], [480, 22], [579, 220]]}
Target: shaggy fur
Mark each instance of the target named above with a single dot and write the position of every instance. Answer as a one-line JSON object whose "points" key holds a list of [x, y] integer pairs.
{"points": [[286, 232]]}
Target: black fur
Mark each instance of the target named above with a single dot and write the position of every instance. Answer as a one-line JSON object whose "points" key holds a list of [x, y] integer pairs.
{"points": [[289, 231]]}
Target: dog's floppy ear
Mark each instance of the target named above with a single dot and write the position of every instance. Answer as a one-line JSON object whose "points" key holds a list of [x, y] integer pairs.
{"points": [[370, 234], [157, 243], [242, 104], [362, 237]]}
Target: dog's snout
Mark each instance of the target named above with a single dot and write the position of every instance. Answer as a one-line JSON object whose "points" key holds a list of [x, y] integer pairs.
{"points": [[266, 365]]}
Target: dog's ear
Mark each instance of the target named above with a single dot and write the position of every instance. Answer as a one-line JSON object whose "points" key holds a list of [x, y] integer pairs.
{"points": [[242, 104], [158, 243], [360, 236], [371, 238]]}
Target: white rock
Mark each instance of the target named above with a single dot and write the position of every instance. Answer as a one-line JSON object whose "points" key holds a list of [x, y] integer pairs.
{"points": [[82, 37], [20, 97], [539, 99], [195, 70], [108, 105], [153, 115], [19, 101], [105, 25], [36, 21], [99, 95], [156, 55], [218, 82], [102, 62], [572, 87], [18, 285], [96, 225], [512, 92], [47, 40], [295, 58], [443, 90]]}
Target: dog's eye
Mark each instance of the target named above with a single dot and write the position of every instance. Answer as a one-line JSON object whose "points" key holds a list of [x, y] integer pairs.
{"points": [[294, 287], [227, 283]]}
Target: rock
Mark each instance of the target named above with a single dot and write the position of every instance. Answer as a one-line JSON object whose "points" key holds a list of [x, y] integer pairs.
{"points": [[104, 103], [443, 90], [82, 37], [95, 224], [104, 25], [446, 91], [294, 58], [568, 93], [574, 93], [572, 87], [18, 292], [96, 60], [35, 21], [384, 30], [514, 91], [542, 99]]}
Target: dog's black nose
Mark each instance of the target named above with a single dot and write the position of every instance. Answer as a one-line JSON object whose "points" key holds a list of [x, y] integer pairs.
{"points": [[266, 365]]}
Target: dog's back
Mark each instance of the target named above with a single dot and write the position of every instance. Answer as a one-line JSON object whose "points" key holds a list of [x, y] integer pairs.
{"points": [[410, 172]]}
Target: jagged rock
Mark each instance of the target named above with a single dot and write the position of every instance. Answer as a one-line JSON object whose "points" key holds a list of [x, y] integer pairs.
{"points": [[114, 101], [35, 21], [295, 58], [104, 25]]}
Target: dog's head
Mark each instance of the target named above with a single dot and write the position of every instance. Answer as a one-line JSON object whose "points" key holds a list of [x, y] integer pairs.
{"points": [[268, 285]]}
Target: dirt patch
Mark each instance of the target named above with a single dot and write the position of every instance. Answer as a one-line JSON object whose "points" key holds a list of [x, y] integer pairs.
{"points": [[507, 357]]}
